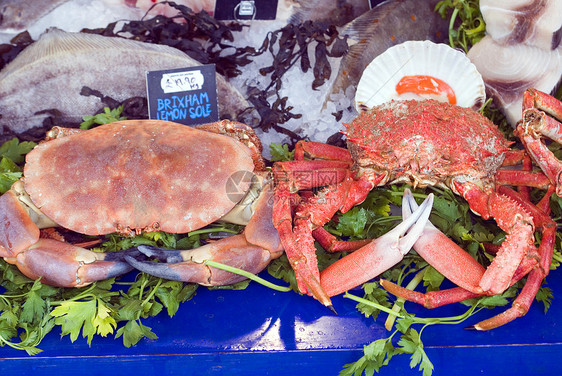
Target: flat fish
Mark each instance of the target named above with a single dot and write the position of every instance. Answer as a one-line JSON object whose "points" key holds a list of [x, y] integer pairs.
{"points": [[389, 23], [36, 16], [16, 15], [327, 12], [50, 74]]}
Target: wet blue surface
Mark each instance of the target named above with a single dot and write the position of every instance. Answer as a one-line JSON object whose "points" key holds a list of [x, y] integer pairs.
{"points": [[258, 331]]}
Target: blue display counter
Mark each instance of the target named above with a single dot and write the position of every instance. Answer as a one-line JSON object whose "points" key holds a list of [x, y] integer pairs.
{"points": [[258, 331]]}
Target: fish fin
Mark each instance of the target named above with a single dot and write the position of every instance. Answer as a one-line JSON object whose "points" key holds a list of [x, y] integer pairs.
{"points": [[328, 12], [361, 27]]}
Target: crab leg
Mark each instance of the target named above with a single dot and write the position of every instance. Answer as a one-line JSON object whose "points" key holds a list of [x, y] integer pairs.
{"points": [[434, 299], [57, 263], [443, 254], [315, 211], [320, 150], [454, 263], [251, 251], [522, 303], [22, 230], [515, 220], [65, 265], [522, 178], [296, 235], [330, 154], [536, 124], [331, 244], [189, 265], [378, 256], [536, 271]]}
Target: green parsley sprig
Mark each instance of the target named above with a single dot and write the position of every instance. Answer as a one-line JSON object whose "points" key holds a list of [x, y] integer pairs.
{"points": [[107, 116], [466, 26], [12, 154]]}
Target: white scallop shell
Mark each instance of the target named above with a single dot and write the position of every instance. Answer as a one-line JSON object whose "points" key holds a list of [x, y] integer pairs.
{"points": [[378, 82]]}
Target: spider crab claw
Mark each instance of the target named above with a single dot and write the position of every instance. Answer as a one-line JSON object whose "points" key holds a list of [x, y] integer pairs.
{"points": [[444, 255], [379, 255]]}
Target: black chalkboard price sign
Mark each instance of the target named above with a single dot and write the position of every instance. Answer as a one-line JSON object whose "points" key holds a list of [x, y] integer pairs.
{"points": [[183, 95]]}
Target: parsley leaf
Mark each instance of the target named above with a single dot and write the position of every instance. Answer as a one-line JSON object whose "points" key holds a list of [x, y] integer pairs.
{"points": [[133, 332], [280, 152], [410, 343], [467, 25], [11, 153], [106, 117], [545, 296], [16, 150], [375, 355]]}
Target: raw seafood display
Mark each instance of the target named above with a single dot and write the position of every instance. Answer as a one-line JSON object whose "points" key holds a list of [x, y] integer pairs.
{"points": [[35, 17], [304, 209], [331, 12], [78, 173]]}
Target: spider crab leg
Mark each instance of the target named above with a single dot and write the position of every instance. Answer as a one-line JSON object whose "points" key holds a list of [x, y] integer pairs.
{"points": [[536, 123], [443, 254], [311, 212], [536, 270], [379, 255], [251, 250], [512, 217], [535, 277], [296, 234], [56, 262]]}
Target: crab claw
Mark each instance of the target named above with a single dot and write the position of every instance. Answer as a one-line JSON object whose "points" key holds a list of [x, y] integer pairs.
{"points": [[189, 265], [65, 265], [378, 256], [443, 254]]}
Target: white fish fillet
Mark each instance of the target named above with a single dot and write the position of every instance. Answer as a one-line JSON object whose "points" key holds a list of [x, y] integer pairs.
{"points": [[51, 73], [534, 22], [508, 70]]}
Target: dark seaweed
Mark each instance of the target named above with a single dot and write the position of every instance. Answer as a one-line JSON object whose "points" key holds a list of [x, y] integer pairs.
{"points": [[209, 41], [289, 45], [273, 114], [9, 51], [133, 108], [197, 34]]}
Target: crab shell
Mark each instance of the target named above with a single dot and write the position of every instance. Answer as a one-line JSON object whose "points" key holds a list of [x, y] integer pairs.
{"points": [[426, 143], [135, 176]]}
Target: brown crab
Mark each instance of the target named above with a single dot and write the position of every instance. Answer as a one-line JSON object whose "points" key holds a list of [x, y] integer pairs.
{"points": [[139, 176], [425, 143]]}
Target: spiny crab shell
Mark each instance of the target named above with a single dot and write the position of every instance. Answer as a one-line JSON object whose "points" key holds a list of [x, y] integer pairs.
{"points": [[136, 176], [425, 143]]}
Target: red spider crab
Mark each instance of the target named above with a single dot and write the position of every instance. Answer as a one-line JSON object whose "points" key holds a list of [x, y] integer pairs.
{"points": [[138, 176], [426, 143]]}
